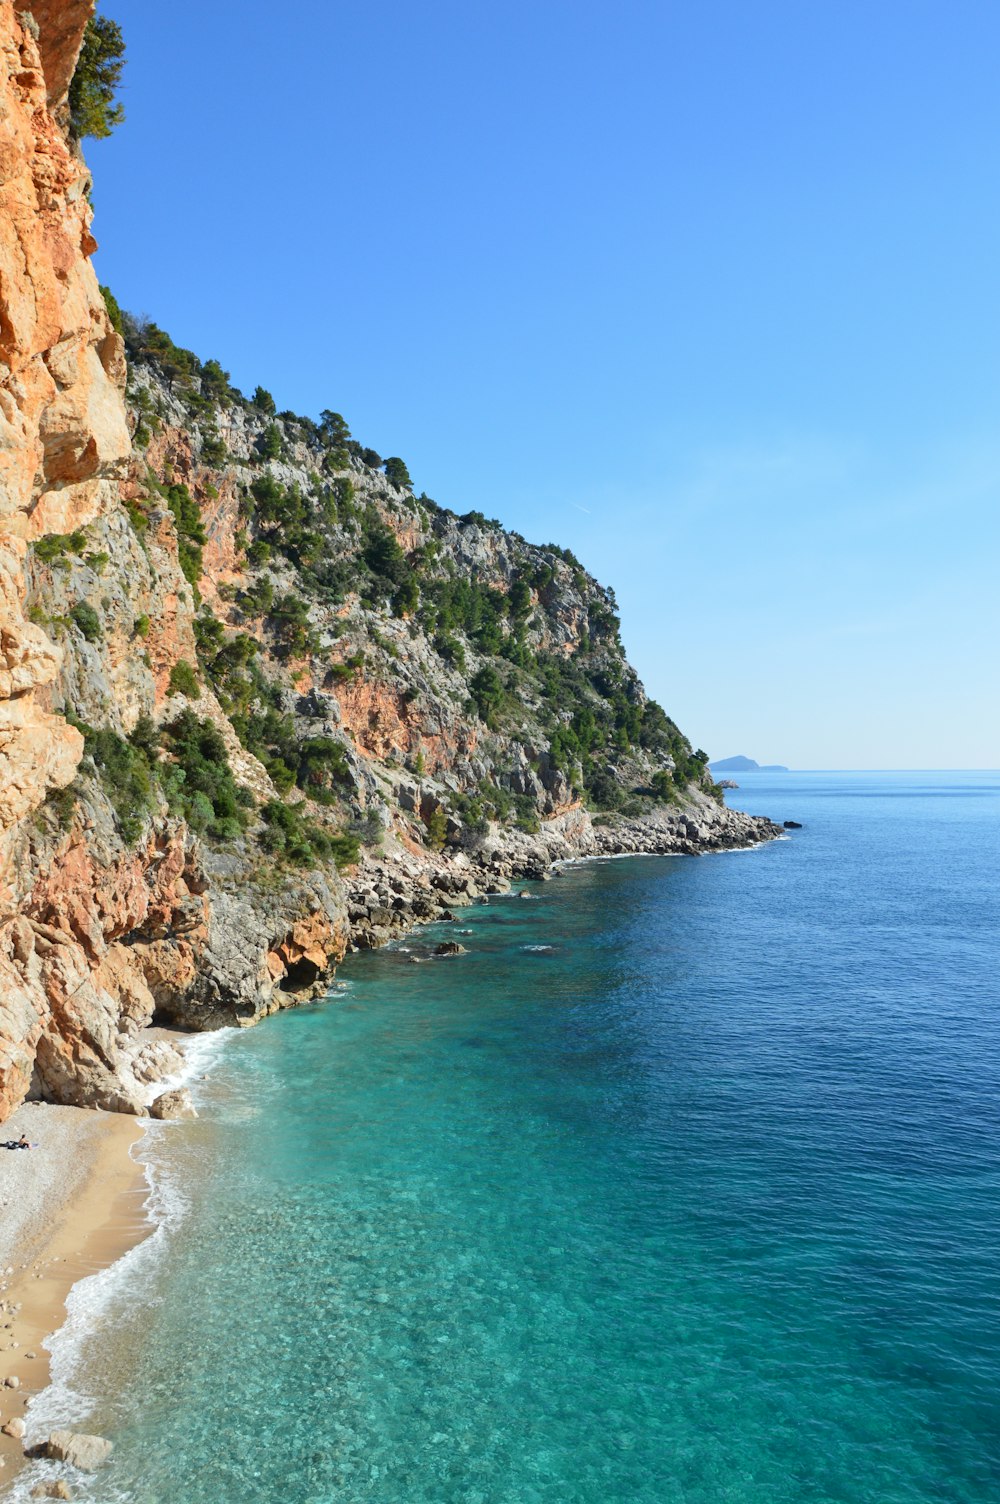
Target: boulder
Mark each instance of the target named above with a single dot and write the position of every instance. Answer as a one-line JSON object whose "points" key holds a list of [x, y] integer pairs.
{"points": [[173, 1104], [450, 948], [55, 1488], [78, 1449], [14, 1427], [792, 824]]}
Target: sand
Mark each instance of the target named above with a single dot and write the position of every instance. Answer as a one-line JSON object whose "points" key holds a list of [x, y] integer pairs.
{"points": [[68, 1208]]}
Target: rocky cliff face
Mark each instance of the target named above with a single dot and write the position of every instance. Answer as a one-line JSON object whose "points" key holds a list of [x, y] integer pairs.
{"points": [[258, 702]]}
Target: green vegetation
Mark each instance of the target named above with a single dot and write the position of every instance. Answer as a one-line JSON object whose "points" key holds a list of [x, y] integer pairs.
{"points": [[303, 842], [436, 829], [127, 773], [191, 535], [54, 548], [114, 311], [397, 474], [93, 106], [269, 445], [197, 779], [184, 680], [534, 638], [88, 621]]}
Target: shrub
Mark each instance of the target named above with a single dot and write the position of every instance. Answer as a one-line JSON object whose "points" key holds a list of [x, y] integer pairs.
{"points": [[263, 400], [397, 474], [114, 310], [138, 518], [127, 777], [213, 450], [437, 829], [92, 106], [407, 597], [184, 680], [198, 781], [53, 548], [269, 443], [487, 691], [140, 627], [333, 429], [191, 534], [663, 785], [87, 620], [302, 841]]}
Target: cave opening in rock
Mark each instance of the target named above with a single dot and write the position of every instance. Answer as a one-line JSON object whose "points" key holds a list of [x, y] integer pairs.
{"points": [[300, 975]]}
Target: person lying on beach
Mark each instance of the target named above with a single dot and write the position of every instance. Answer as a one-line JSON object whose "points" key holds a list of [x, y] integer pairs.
{"points": [[20, 1143]]}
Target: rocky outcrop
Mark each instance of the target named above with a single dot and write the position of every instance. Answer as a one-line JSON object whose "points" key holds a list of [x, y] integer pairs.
{"points": [[63, 439], [88, 1453], [258, 703]]}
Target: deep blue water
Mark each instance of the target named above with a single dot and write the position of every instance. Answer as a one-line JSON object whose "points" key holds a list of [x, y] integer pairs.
{"points": [[700, 1205]]}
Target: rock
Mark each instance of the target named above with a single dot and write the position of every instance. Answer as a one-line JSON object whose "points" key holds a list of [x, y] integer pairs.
{"points": [[12, 1381], [450, 948], [173, 1104], [55, 1488], [85, 1452], [525, 894], [792, 824], [14, 1427]]}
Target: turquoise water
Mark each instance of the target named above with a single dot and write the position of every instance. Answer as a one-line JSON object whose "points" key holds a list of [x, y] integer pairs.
{"points": [[700, 1204]]}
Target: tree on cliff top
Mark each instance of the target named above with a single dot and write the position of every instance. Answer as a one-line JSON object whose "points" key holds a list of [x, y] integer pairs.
{"points": [[92, 105]]}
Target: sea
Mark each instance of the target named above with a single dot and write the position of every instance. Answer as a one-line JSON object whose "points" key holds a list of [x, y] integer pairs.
{"points": [[682, 1186]]}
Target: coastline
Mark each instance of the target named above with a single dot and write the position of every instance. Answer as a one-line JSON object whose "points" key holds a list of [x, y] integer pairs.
{"points": [[70, 1208], [78, 1203]]}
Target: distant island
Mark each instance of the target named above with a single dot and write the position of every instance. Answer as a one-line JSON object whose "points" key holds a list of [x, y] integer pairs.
{"points": [[745, 765]]}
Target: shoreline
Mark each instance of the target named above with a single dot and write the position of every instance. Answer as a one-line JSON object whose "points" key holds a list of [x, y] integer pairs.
{"points": [[90, 1206], [79, 1204]]}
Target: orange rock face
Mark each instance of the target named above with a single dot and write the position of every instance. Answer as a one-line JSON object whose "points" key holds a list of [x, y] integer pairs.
{"points": [[313, 941], [63, 439]]}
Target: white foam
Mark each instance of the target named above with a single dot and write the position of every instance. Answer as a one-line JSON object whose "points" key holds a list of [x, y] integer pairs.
{"points": [[93, 1302]]}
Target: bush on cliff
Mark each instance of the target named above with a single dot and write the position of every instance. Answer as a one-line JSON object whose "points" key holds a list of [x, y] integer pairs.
{"points": [[87, 620], [397, 474], [92, 105], [198, 780], [184, 680], [302, 842], [127, 777]]}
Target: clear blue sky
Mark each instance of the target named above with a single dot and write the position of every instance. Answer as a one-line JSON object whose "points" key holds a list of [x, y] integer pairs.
{"points": [[708, 292]]}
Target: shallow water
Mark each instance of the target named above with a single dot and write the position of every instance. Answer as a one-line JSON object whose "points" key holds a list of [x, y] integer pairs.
{"points": [[682, 1185]]}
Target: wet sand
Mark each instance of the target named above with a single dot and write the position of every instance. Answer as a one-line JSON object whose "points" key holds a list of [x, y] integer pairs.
{"points": [[68, 1208]]}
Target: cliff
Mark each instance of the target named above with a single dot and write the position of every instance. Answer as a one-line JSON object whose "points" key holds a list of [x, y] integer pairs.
{"points": [[258, 701]]}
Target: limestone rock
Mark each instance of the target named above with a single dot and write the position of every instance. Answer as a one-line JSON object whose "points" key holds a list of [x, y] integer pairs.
{"points": [[78, 1449], [173, 1104], [14, 1427]]}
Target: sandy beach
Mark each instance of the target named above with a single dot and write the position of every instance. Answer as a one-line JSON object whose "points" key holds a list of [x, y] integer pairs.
{"points": [[68, 1208]]}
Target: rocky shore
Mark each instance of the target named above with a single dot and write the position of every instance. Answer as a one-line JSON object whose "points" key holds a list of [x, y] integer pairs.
{"points": [[388, 897]]}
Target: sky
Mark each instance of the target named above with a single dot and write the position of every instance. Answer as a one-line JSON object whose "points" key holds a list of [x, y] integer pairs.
{"points": [[707, 292]]}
